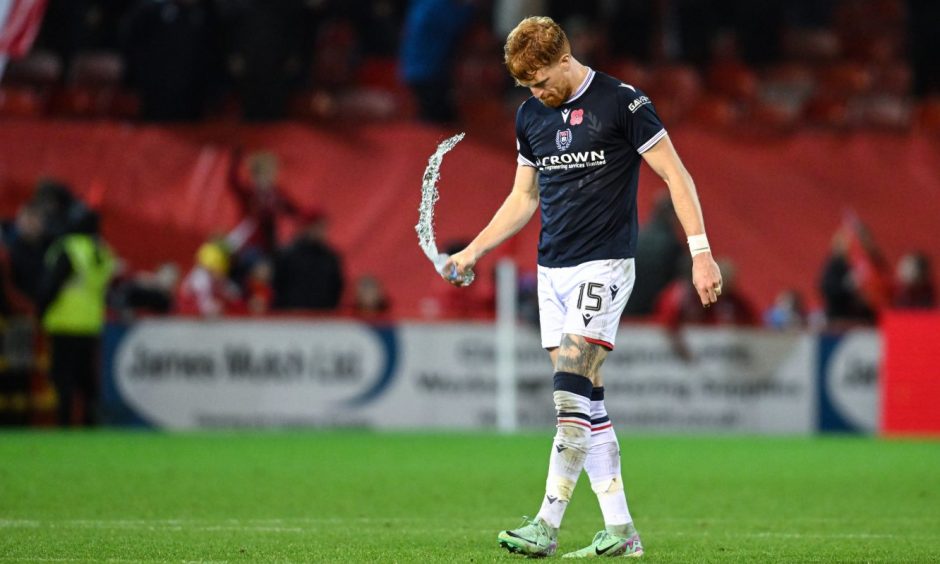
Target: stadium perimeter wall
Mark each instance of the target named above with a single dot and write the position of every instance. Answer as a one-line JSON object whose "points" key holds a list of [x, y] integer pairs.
{"points": [[185, 374], [771, 203]]}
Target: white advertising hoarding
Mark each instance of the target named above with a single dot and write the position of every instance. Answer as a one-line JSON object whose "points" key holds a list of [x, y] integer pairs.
{"points": [[182, 374]]}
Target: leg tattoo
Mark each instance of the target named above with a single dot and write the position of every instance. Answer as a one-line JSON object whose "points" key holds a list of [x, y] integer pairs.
{"points": [[578, 356]]}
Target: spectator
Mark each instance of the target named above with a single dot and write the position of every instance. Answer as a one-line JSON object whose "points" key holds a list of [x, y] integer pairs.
{"points": [[308, 273], [380, 22], [265, 53], [914, 287], [261, 201], [527, 298], [433, 29], [661, 257], [71, 304], [173, 57], [681, 305], [207, 291], [55, 201], [146, 292], [15, 312], [11, 300], [75, 26], [924, 44], [370, 299], [259, 294], [27, 246], [787, 312], [852, 281]]}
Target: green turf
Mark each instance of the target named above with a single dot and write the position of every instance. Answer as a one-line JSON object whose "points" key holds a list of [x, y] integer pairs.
{"points": [[365, 497]]}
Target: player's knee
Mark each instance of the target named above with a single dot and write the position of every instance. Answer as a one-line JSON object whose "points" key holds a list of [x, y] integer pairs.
{"points": [[573, 437], [608, 485]]}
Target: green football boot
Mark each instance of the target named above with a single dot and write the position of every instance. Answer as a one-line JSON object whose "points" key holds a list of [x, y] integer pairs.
{"points": [[533, 539], [607, 544]]}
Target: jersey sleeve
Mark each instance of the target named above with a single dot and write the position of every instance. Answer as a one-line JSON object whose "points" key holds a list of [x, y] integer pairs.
{"points": [[642, 127], [523, 148]]}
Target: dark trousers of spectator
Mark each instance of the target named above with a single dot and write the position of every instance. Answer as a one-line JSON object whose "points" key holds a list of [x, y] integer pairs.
{"points": [[435, 101], [74, 373]]}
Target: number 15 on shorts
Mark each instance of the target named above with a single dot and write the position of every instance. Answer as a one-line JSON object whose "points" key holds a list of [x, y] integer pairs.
{"points": [[588, 297]]}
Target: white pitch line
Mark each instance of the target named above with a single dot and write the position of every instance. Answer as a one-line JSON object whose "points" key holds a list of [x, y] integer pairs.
{"points": [[310, 525], [301, 526], [96, 560], [732, 534]]}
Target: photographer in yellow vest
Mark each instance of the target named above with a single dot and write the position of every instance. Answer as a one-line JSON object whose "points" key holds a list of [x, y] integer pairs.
{"points": [[72, 307]]}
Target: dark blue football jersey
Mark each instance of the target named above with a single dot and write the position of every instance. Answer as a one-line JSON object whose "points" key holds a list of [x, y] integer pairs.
{"points": [[588, 155]]}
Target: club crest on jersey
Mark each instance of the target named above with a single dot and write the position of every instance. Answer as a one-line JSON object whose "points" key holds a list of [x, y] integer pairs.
{"points": [[563, 139], [577, 116]]}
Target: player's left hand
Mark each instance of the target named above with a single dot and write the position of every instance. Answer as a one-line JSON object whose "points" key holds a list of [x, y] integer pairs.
{"points": [[706, 277], [459, 267]]}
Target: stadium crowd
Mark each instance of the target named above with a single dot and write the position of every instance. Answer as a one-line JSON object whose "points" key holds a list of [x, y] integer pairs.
{"points": [[248, 271], [832, 63]]}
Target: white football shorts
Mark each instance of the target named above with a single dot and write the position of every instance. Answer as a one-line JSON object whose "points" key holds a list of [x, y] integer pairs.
{"points": [[585, 300]]}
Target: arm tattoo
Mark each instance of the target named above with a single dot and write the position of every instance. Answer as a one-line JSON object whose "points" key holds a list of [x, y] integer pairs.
{"points": [[578, 356]]}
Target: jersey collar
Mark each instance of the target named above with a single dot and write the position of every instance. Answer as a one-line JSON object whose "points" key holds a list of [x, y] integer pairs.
{"points": [[584, 86]]}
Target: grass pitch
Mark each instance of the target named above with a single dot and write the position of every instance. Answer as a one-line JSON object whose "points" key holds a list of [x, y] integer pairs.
{"points": [[380, 497]]}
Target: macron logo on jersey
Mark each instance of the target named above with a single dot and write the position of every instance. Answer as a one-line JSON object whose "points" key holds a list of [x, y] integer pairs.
{"points": [[577, 116]]}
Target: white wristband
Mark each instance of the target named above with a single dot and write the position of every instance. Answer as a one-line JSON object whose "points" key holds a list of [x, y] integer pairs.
{"points": [[698, 244]]}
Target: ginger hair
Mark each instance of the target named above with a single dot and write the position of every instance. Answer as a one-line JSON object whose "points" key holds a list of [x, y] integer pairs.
{"points": [[535, 43]]}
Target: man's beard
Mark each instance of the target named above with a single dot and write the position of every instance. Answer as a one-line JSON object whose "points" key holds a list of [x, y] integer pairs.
{"points": [[553, 101]]}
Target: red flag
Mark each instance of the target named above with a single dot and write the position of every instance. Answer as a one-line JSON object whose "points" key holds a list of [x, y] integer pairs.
{"points": [[19, 29], [868, 264]]}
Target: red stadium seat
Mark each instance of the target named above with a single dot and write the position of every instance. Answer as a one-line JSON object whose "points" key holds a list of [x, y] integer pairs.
{"points": [[631, 72], [774, 115], [928, 115], [895, 78], [826, 111], [674, 90], [40, 69], [20, 101], [379, 73], [681, 82], [733, 80], [124, 105], [811, 45], [783, 92], [316, 105], [82, 102], [99, 68], [845, 79], [714, 111], [486, 113], [883, 111]]}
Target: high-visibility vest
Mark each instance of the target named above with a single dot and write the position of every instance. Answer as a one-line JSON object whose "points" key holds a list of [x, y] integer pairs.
{"points": [[79, 308]]}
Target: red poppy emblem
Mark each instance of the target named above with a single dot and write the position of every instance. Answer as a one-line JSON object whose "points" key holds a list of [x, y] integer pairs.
{"points": [[577, 116]]}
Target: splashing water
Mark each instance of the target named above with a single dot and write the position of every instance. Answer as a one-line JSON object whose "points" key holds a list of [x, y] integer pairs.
{"points": [[429, 197]]}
